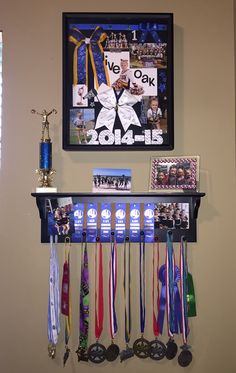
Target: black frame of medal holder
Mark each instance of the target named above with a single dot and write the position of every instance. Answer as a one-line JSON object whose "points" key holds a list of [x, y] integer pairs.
{"points": [[192, 198]]}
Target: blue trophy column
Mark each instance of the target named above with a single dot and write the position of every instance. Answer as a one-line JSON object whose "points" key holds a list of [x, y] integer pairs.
{"points": [[45, 155]]}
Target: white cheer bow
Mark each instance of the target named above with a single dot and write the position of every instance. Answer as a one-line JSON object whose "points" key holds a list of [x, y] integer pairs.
{"points": [[112, 105]]}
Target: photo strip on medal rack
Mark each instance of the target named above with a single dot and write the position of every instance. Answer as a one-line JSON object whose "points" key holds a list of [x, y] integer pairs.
{"points": [[118, 81], [174, 173]]}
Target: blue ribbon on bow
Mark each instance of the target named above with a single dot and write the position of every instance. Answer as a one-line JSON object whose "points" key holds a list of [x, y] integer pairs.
{"points": [[177, 309], [146, 28], [93, 47]]}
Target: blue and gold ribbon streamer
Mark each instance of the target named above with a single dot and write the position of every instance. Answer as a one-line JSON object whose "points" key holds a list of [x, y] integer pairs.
{"points": [[92, 47]]}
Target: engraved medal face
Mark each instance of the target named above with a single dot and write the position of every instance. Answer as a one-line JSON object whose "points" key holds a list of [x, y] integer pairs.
{"points": [[112, 352], [171, 349], [185, 358], [157, 350], [141, 348], [97, 353]]}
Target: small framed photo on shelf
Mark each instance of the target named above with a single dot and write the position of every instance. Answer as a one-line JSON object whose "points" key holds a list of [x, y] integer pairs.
{"points": [[111, 180], [174, 173]]}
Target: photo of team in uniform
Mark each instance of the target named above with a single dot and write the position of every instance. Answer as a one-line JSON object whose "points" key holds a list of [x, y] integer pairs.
{"points": [[171, 215], [122, 72]]}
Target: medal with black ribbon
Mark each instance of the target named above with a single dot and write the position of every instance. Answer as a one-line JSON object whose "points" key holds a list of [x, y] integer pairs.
{"points": [[185, 357], [113, 350], [53, 300], [172, 309], [66, 299], [128, 352], [97, 352], [141, 346], [84, 303], [157, 348]]}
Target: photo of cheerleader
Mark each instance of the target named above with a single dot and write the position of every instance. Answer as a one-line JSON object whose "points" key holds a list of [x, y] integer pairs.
{"points": [[171, 216], [61, 219], [111, 180], [81, 121], [148, 55]]}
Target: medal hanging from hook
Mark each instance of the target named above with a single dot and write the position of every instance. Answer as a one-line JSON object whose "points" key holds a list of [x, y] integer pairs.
{"points": [[113, 350], [84, 303], [141, 346], [97, 352], [172, 307], [128, 352], [185, 356], [53, 300], [66, 309], [157, 348]]}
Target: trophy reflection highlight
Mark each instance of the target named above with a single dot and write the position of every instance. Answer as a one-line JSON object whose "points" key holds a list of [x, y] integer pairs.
{"points": [[45, 170]]}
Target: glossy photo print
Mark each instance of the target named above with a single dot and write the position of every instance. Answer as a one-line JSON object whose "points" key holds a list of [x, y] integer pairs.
{"points": [[118, 81]]}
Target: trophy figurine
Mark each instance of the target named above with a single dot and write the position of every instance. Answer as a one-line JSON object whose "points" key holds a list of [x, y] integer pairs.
{"points": [[45, 170]]}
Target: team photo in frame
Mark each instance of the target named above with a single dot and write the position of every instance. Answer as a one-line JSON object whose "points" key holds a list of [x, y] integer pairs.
{"points": [[174, 173], [118, 81]]}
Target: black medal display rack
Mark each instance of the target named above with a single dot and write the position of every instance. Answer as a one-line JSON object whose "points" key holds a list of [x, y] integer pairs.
{"points": [[47, 201]]}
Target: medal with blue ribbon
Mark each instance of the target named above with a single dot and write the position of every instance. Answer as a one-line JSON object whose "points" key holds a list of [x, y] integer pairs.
{"points": [[128, 352], [157, 348], [53, 300], [141, 346]]}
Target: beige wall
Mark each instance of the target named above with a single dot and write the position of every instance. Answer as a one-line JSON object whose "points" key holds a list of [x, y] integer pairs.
{"points": [[204, 125]]}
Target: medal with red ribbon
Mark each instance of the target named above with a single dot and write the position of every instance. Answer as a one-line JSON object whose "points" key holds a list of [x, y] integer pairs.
{"points": [[157, 348], [113, 350], [141, 345], [97, 352], [185, 356], [66, 298]]}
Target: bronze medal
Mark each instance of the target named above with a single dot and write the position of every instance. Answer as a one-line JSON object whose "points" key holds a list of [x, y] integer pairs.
{"points": [[171, 349], [185, 358], [97, 353], [141, 348], [157, 350], [112, 352]]}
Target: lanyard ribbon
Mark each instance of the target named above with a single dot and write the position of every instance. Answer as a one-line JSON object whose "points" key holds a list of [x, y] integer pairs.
{"points": [[146, 28], [112, 290], [184, 288], [93, 47], [99, 307], [127, 292], [54, 295], [84, 298], [155, 286], [142, 282], [66, 308]]}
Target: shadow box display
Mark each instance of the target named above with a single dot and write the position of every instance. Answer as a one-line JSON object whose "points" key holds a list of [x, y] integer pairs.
{"points": [[118, 81]]}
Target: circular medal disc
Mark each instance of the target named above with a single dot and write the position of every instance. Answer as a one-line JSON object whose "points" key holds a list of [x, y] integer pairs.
{"points": [[157, 350], [185, 358], [97, 353], [112, 352], [141, 348], [171, 349]]}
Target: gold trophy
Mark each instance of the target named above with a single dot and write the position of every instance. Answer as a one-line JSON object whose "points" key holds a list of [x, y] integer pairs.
{"points": [[45, 170]]}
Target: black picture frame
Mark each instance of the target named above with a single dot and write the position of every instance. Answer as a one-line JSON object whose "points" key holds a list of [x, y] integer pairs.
{"points": [[118, 81]]}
